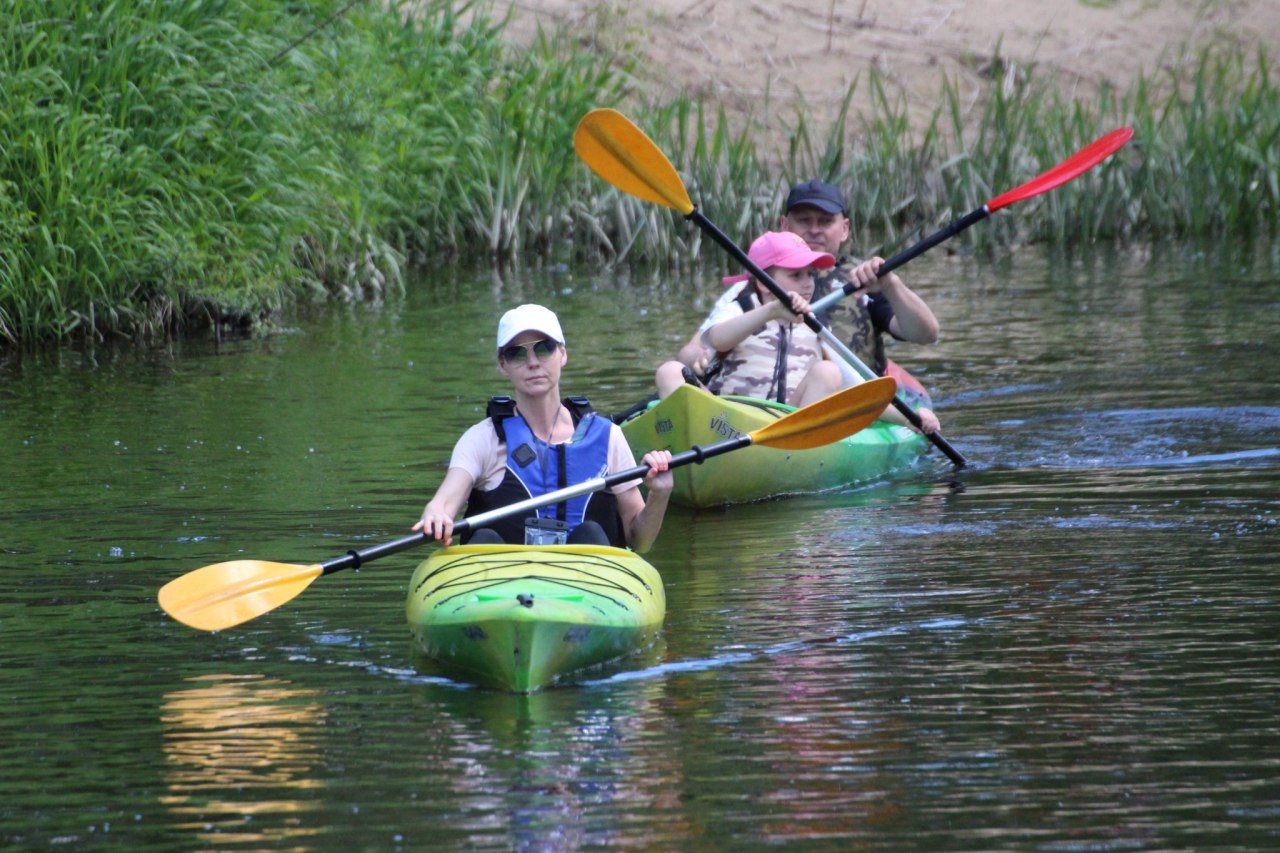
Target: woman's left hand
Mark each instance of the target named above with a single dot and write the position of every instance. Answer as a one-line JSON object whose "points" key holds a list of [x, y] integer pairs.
{"points": [[659, 479]]}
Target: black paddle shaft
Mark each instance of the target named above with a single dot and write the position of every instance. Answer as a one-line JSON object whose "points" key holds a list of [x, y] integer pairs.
{"points": [[355, 559], [814, 323], [946, 232]]}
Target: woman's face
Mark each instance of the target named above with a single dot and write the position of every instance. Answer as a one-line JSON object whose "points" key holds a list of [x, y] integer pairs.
{"points": [[533, 361]]}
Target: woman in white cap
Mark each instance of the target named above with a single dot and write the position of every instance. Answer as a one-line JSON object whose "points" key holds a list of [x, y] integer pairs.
{"points": [[533, 443]]}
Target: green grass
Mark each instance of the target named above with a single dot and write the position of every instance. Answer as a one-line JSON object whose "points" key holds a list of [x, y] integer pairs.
{"points": [[167, 165]]}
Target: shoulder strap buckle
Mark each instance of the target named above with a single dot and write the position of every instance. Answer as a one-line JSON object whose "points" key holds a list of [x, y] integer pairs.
{"points": [[498, 410], [579, 407]]}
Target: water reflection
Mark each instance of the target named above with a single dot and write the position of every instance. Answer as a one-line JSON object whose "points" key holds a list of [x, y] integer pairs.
{"points": [[241, 758], [535, 770], [1069, 645]]}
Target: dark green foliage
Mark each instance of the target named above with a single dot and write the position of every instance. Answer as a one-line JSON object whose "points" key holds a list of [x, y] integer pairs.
{"points": [[177, 163], [169, 162]]}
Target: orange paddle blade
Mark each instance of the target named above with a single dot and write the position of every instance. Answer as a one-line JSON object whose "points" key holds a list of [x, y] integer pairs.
{"points": [[619, 152], [830, 419], [225, 594]]}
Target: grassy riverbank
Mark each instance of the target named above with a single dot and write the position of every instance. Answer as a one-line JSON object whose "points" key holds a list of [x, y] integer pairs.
{"points": [[176, 163], [171, 164]]}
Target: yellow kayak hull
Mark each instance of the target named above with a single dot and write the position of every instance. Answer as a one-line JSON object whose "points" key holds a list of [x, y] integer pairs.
{"points": [[518, 618], [691, 416]]}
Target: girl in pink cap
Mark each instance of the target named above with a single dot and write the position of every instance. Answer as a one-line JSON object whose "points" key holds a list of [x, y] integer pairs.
{"points": [[765, 350]]}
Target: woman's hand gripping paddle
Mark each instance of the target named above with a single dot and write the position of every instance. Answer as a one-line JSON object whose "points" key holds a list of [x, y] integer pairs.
{"points": [[224, 595]]}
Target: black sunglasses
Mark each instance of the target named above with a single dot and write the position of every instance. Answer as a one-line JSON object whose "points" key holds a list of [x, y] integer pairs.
{"points": [[519, 354]]}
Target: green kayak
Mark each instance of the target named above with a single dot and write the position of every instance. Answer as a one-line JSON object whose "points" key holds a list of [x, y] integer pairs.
{"points": [[691, 416], [518, 617]]}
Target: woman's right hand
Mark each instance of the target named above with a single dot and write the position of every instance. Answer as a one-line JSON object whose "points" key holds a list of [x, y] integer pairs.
{"points": [[659, 479]]}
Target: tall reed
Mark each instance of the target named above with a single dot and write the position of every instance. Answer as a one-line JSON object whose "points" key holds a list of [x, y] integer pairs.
{"points": [[173, 163], [1204, 159], [1210, 151], [157, 169], [144, 169]]}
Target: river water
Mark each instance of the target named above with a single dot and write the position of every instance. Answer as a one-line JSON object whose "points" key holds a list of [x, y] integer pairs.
{"points": [[1070, 645]]}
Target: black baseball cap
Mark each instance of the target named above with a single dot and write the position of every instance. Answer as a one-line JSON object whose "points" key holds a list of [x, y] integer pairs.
{"points": [[818, 194]]}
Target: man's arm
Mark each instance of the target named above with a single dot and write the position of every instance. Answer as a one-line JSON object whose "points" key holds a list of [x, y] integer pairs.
{"points": [[912, 320]]}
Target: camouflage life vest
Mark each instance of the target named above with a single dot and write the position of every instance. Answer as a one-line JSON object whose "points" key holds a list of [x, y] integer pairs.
{"points": [[771, 362], [858, 319]]}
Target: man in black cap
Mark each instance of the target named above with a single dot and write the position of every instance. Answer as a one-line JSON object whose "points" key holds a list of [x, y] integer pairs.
{"points": [[816, 211]]}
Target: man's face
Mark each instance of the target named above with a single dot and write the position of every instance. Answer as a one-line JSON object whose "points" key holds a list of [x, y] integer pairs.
{"points": [[824, 232]]}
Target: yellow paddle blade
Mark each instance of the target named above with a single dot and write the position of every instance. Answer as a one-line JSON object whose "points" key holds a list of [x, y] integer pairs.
{"points": [[830, 419], [225, 594], [619, 152]]}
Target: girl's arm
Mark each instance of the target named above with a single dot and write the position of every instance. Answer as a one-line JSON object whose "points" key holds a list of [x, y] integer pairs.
{"points": [[727, 334]]}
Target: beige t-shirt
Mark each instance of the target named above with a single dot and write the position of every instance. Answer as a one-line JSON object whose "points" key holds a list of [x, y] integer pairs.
{"points": [[484, 457]]}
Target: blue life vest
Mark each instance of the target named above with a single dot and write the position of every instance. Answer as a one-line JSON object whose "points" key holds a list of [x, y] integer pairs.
{"points": [[536, 468]]}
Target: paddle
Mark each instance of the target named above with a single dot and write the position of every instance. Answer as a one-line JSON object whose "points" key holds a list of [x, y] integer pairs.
{"points": [[224, 595], [619, 152], [1068, 170]]}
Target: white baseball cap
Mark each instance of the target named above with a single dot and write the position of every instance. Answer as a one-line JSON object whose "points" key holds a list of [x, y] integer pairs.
{"points": [[528, 318]]}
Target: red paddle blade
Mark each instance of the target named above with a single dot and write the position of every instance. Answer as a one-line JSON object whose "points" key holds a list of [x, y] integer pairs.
{"points": [[1073, 167]]}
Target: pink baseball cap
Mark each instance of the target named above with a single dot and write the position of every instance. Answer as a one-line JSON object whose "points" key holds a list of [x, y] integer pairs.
{"points": [[783, 249]]}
